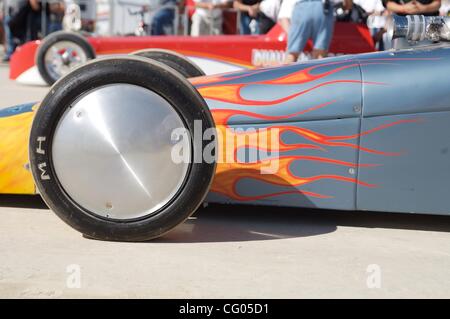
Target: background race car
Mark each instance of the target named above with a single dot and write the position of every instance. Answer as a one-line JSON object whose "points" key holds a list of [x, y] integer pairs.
{"points": [[43, 62]]}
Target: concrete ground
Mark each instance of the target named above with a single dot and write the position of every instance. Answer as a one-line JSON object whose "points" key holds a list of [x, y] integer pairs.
{"points": [[224, 252]]}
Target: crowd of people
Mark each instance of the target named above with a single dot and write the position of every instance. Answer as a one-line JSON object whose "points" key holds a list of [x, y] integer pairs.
{"points": [[22, 20], [26, 20], [305, 19]]}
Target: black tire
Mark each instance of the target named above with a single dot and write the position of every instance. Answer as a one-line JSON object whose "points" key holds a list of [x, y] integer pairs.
{"points": [[176, 61], [53, 38], [130, 70]]}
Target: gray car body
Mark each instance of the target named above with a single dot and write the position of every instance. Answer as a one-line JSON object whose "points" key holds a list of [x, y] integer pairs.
{"points": [[396, 107], [368, 132]]}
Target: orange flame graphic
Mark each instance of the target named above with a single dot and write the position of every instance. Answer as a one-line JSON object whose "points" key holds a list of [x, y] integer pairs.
{"points": [[220, 89], [230, 170]]}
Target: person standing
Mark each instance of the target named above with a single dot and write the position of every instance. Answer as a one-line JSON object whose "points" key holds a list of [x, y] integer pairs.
{"points": [[2, 33], [34, 24], [10, 7], [207, 18], [249, 10], [57, 9], [285, 14], [164, 17], [311, 19], [376, 19], [44, 17], [404, 7], [268, 15]]}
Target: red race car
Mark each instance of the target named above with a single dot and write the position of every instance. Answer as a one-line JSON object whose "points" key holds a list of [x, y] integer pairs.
{"points": [[41, 62]]}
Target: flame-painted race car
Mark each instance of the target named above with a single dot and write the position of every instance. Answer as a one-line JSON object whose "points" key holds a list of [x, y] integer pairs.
{"points": [[44, 62], [125, 148]]}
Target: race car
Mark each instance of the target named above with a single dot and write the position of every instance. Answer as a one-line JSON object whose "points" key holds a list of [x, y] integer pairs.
{"points": [[44, 62], [125, 148]]}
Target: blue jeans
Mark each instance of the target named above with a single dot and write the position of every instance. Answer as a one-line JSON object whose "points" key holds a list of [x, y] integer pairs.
{"points": [[380, 44], [10, 44], [35, 26], [245, 24], [53, 27], [162, 20]]}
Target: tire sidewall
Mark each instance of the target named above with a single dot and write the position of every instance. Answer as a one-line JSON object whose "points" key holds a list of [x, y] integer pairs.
{"points": [[153, 76], [176, 61], [54, 38]]}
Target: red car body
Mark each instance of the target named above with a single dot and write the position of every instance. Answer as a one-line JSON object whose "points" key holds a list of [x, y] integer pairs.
{"points": [[229, 52]]}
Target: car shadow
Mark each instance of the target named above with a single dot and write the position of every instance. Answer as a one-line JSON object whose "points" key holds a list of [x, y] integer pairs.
{"points": [[233, 223], [22, 201], [227, 223]]}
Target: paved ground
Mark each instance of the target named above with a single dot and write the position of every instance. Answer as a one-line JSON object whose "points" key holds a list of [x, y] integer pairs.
{"points": [[224, 251]]}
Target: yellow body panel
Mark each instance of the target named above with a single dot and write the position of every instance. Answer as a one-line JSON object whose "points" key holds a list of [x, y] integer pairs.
{"points": [[15, 178]]}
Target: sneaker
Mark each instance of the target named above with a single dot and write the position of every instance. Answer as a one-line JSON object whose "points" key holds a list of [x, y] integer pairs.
{"points": [[5, 59]]}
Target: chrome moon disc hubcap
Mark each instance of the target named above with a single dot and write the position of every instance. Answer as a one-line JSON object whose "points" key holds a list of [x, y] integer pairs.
{"points": [[112, 152], [62, 57]]}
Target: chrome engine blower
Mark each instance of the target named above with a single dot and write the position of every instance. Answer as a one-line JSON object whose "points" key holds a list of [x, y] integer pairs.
{"points": [[419, 28]]}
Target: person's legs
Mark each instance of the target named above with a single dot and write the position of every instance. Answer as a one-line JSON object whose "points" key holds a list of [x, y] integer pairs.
{"points": [[285, 24], [162, 20], [216, 26], [379, 38], [200, 25], [299, 31], [319, 53], [53, 27], [255, 27], [377, 34], [322, 33], [34, 26], [245, 23], [195, 26], [9, 39]]}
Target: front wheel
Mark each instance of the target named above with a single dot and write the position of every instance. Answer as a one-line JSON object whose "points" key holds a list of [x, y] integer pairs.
{"points": [[112, 150]]}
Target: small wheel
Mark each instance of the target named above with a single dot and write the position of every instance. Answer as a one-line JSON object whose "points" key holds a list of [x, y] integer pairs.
{"points": [[112, 149], [176, 61], [60, 53]]}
